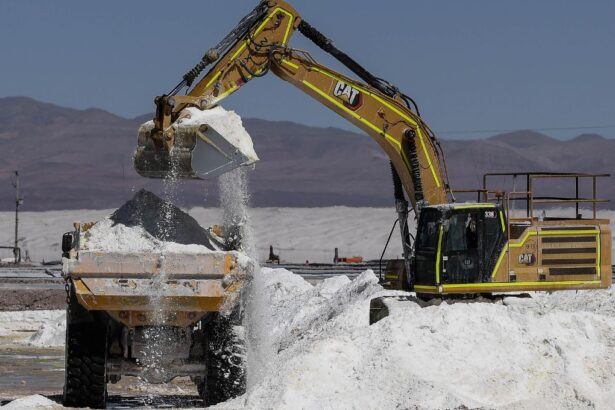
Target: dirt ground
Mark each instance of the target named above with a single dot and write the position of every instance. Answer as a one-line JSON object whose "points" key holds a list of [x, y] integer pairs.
{"points": [[28, 371], [32, 294]]}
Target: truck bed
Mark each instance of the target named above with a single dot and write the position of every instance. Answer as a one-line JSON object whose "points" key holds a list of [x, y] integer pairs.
{"points": [[135, 288]]}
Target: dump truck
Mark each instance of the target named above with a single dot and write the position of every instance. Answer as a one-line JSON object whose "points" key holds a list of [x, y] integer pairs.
{"points": [[153, 315]]}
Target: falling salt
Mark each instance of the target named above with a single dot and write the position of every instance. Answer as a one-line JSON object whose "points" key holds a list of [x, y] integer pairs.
{"points": [[154, 361], [234, 200]]}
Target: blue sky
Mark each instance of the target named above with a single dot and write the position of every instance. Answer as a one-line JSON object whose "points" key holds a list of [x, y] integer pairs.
{"points": [[471, 65]]}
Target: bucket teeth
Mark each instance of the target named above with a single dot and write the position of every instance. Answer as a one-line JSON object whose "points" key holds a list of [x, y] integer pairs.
{"points": [[199, 152]]}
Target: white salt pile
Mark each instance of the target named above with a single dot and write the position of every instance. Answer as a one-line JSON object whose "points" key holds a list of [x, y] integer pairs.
{"points": [[106, 236], [146, 223], [51, 333], [551, 351], [595, 301], [37, 328], [322, 352], [34, 402], [227, 123]]}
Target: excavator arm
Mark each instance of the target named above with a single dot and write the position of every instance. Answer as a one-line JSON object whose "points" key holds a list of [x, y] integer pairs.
{"points": [[397, 130], [258, 45]]}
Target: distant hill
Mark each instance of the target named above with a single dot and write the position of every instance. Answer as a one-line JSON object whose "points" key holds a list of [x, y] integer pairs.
{"points": [[71, 159]]}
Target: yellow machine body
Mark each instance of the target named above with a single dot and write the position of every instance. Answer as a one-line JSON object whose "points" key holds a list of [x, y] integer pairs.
{"points": [[533, 253]]}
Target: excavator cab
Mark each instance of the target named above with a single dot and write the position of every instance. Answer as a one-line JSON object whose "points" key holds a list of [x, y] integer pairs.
{"points": [[458, 244]]}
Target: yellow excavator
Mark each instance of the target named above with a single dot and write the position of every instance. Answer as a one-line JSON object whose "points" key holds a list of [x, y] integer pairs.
{"points": [[478, 247]]}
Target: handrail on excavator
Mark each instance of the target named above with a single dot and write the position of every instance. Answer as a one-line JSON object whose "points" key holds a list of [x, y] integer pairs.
{"points": [[532, 199]]}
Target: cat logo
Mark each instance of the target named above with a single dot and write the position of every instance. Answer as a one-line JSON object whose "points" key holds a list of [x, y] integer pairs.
{"points": [[526, 258], [351, 97]]}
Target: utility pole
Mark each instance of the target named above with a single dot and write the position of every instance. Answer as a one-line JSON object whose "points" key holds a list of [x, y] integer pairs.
{"points": [[18, 202]]}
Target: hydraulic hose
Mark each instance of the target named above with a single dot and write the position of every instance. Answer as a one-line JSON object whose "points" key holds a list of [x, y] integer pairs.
{"points": [[326, 44], [241, 30], [409, 145]]}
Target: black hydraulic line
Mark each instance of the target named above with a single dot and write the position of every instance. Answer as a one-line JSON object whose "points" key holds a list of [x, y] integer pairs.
{"points": [[265, 70], [241, 30], [398, 189], [327, 45], [384, 251], [409, 145], [411, 103], [401, 207], [448, 185], [380, 84]]}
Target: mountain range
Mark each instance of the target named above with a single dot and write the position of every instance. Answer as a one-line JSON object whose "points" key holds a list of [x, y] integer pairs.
{"points": [[82, 159]]}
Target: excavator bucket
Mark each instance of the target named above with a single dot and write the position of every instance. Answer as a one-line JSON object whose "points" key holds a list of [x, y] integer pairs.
{"points": [[201, 150]]}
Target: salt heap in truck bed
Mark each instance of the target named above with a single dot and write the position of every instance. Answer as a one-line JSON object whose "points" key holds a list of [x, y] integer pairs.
{"points": [[147, 223], [146, 256]]}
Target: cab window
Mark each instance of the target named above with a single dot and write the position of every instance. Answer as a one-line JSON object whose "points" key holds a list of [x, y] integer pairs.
{"points": [[428, 230], [462, 232]]}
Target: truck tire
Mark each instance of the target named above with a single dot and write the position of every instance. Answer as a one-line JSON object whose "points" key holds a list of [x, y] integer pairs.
{"points": [[85, 380], [225, 358]]}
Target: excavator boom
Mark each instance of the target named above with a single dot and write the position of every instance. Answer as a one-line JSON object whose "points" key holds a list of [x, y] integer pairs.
{"points": [[258, 45]]}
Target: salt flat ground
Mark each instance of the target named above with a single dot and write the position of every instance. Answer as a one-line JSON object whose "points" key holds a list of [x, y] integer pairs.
{"points": [[314, 349], [297, 234]]}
